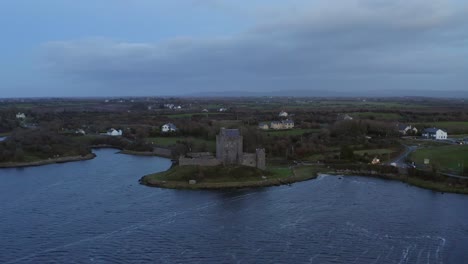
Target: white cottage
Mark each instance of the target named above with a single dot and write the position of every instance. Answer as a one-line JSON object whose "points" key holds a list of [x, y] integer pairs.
{"points": [[114, 132], [434, 133], [169, 127], [20, 116]]}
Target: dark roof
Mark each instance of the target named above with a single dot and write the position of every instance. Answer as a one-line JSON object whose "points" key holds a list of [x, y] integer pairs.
{"points": [[402, 126], [432, 130], [170, 125]]}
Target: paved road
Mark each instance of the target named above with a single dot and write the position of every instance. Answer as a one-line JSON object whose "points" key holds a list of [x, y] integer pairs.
{"points": [[400, 160]]}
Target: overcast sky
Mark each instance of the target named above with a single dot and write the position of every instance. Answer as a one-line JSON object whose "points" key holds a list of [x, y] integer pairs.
{"points": [[151, 47]]}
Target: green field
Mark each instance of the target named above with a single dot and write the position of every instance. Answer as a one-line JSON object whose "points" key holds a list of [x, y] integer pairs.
{"points": [[445, 157], [450, 127]]}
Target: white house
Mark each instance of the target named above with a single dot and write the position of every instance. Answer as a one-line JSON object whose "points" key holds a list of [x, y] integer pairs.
{"points": [[344, 117], [20, 116], [434, 133], [263, 126], [405, 129], [114, 132], [80, 131], [222, 109], [283, 114], [284, 124], [169, 127]]}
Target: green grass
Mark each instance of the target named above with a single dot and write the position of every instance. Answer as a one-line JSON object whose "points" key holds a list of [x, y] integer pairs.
{"points": [[309, 171], [451, 127], [221, 177], [446, 157], [280, 171], [216, 174]]}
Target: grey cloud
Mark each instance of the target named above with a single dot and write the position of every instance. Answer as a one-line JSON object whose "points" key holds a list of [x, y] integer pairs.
{"points": [[366, 43]]}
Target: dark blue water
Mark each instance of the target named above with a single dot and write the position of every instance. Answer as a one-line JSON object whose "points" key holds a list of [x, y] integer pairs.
{"points": [[96, 212]]}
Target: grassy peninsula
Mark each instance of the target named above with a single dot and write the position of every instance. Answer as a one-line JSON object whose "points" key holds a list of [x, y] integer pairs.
{"points": [[226, 177]]}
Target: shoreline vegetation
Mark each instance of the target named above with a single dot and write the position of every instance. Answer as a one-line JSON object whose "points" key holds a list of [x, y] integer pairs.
{"points": [[443, 186], [65, 159], [47, 161]]}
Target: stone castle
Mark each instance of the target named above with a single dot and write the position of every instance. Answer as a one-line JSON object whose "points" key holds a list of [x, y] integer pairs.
{"points": [[229, 151]]}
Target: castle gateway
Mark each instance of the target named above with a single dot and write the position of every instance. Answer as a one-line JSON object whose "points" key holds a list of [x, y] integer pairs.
{"points": [[229, 151]]}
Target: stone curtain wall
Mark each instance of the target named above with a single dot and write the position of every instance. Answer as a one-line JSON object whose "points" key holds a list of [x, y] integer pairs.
{"points": [[249, 159], [199, 162]]}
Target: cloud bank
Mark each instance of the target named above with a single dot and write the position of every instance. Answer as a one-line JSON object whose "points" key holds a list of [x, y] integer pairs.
{"points": [[340, 45]]}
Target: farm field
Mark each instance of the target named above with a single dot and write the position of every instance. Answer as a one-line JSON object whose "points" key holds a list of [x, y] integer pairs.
{"points": [[450, 127], [446, 157]]}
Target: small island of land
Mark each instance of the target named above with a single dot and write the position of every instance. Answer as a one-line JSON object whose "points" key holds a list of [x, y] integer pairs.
{"points": [[226, 177]]}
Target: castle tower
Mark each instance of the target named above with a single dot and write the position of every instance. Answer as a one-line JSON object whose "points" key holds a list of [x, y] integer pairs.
{"points": [[229, 148]]}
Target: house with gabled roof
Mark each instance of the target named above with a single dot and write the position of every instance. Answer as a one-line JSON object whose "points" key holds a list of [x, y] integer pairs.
{"points": [[434, 133], [404, 129], [169, 127]]}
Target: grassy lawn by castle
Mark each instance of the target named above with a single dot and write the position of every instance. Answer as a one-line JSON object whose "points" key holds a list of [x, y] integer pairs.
{"points": [[445, 157]]}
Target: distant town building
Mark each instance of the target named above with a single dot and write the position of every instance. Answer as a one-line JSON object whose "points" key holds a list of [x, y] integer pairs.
{"points": [[20, 116], [344, 117], [222, 109], [406, 129], [80, 132], [169, 127], [284, 124], [434, 133], [283, 114], [263, 125], [114, 132], [205, 110]]}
